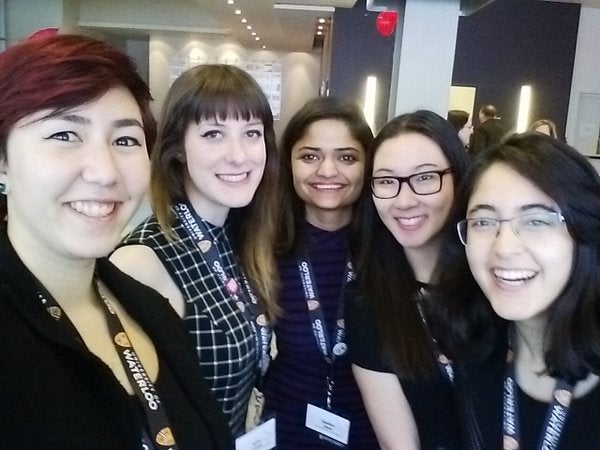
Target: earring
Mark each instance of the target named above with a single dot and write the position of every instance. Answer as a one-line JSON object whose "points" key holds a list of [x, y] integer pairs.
{"points": [[4, 188]]}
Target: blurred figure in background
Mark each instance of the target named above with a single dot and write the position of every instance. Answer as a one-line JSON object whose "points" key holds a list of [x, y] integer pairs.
{"points": [[545, 126], [490, 131], [461, 123]]}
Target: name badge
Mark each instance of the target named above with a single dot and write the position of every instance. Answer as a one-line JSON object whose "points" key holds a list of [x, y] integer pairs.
{"points": [[260, 438], [327, 423]]}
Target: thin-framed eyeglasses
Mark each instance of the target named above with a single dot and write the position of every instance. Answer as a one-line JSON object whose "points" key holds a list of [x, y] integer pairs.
{"points": [[422, 183], [530, 228]]}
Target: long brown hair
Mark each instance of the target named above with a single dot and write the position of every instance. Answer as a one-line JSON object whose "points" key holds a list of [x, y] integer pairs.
{"points": [[220, 91]]}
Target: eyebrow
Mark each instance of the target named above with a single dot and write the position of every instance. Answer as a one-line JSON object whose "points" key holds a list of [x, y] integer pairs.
{"points": [[421, 168], [80, 120], [524, 208], [320, 149], [217, 123]]}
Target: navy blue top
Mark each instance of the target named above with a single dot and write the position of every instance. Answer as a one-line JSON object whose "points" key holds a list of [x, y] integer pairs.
{"points": [[297, 375]]}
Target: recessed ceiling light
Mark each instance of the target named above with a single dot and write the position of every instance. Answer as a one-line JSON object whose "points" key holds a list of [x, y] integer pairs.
{"points": [[244, 20], [320, 27], [264, 46], [319, 33], [321, 20], [257, 38], [248, 27], [230, 2], [238, 11], [294, 7], [253, 33]]}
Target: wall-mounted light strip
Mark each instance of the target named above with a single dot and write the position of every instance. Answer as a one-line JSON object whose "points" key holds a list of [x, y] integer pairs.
{"points": [[369, 104], [524, 107], [291, 7]]}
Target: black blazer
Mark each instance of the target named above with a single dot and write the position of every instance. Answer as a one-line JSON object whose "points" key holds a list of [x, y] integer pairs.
{"points": [[54, 394]]}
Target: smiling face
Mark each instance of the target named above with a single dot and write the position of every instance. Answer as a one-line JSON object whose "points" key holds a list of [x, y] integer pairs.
{"points": [[225, 163], [328, 167], [76, 178], [520, 281], [414, 220]]}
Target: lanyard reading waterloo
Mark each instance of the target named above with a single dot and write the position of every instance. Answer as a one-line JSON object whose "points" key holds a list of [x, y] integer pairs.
{"points": [[251, 309], [555, 417], [317, 318], [443, 362], [155, 413]]}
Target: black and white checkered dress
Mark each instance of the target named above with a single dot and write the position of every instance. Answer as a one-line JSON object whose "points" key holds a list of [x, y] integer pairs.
{"points": [[224, 338]]}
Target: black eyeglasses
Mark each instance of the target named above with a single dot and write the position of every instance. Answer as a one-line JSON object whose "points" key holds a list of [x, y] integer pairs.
{"points": [[422, 183]]}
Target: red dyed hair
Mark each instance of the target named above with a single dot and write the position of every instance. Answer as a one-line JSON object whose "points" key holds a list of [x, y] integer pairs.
{"points": [[62, 72]]}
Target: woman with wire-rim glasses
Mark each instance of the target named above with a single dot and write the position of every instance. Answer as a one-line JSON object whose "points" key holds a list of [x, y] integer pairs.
{"points": [[404, 378], [531, 232]]}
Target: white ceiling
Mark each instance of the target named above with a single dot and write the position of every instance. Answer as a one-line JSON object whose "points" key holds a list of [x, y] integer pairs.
{"points": [[278, 29]]}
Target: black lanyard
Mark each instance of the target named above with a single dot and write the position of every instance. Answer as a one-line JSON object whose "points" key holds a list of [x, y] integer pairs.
{"points": [[555, 417], [143, 387], [243, 297], [317, 319], [445, 365]]}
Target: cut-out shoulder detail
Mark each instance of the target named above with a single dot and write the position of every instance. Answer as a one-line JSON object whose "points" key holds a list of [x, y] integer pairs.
{"points": [[142, 263]]}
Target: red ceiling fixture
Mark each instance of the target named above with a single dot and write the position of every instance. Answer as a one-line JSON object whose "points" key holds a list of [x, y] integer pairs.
{"points": [[386, 22]]}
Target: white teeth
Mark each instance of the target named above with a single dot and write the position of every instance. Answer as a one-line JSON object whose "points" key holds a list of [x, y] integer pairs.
{"points": [[409, 221], [233, 178], [327, 186], [514, 275], [93, 209]]}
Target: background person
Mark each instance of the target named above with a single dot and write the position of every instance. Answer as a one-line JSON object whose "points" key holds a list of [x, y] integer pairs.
{"points": [[490, 131], [325, 148], [545, 126], [212, 186], [75, 126], [404, 212], [532, 217], [461, 123]]}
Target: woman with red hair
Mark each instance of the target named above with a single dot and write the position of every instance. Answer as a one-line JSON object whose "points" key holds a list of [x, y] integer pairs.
{"points": [[90, 358]]}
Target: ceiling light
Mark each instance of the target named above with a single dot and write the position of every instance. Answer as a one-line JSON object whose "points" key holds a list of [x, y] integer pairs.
{"points": [[321, 20], [257, 38], [329, 9], [264, 46], [319, 33], [248, 27], [244, 20], [253, 33], [238, 12], [230, 2], [320, 27]]}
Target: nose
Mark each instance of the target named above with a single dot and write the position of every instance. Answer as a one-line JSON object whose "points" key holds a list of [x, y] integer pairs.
{"points": [[406, 198], [236, 152], [327, 168], [100, 165], [506, 240]]}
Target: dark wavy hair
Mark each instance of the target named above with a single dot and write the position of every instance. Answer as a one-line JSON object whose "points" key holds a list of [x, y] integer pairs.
{"points": [[572, 338], [61, 72], [385, 277], [291, 229]]}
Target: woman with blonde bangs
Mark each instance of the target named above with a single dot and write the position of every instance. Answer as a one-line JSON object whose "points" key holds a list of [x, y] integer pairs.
{"points": [[207, 247]]}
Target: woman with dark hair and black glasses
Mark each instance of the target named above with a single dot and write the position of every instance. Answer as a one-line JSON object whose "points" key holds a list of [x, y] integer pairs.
{"points": [[404, 212], [531, 230]]}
